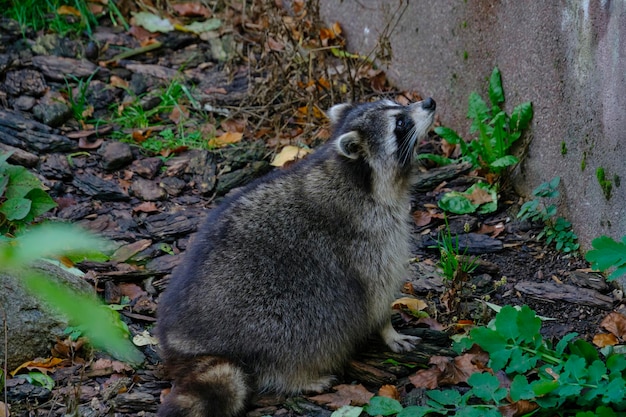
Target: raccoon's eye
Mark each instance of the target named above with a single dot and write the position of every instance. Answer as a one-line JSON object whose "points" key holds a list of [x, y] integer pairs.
{"points": [[400, 123]]}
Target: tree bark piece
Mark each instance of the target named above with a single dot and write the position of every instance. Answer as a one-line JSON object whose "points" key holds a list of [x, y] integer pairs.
{"points": [[31, 135], [563, 292]]}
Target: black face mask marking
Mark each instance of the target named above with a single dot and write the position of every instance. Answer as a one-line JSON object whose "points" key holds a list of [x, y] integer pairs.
{"points": [[405, 137]]}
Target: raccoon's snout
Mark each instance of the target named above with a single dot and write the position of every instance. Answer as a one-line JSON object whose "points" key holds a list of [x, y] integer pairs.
{"points": [[429, 104]]}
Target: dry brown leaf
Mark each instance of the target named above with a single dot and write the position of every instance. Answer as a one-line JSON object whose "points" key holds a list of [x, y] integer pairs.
{"points": [[146, 207], [226, 139], [233, 125], [132, 291], [67, 348], [409, 303], [42, 365], [605, 339], [344, 395], [519, 408], [191, 10], [389, 391], [426, 378], [141, 135], [118, 82], [447, 149], [432, 323], [273, 45], [480, 196], [178, 112], [422, 218], [125, 252], [68, 10], [289, 153], [615, 323], [4, 410]]}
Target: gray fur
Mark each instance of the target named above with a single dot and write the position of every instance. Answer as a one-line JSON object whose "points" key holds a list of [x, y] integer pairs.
{"points": [[289, 275]]}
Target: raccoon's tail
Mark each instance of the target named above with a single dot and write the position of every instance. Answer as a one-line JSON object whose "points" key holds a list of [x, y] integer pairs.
{"points": [[205, 387]]}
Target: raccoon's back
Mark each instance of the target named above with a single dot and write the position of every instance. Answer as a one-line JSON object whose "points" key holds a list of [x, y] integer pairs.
{"points": [[273, 262]]}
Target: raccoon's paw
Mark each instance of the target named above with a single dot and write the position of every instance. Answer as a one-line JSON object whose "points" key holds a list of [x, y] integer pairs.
{"points": [[320, 385], [398, 342]]}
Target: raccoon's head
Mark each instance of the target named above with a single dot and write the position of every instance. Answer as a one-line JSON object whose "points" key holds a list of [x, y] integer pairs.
{"points": [[379, 139]]}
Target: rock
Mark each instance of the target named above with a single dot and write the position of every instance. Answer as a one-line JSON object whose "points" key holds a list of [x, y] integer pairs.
{"points": [[115, 155], [99, 188], [203, 169], [100, 95], [241, 177], [55, 166], [165, 224], [147, 190], [147, 167], [52, 110], [26, 81], [19, 156], [172, 185], [32, 327], [58, 68], [21, 132], [164, 263], [24, 103]]}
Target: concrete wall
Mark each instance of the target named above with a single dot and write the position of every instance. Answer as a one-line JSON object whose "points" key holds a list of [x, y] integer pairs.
{"points": [[568, 57]]}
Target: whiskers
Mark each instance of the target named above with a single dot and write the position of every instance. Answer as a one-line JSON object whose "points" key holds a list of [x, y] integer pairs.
{"points": [[407, 146]]}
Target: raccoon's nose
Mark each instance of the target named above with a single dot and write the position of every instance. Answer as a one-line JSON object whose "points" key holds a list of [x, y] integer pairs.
{"points": [[429, 104]]}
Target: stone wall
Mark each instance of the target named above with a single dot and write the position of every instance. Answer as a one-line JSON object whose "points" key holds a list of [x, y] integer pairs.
{"points": [[568, 57]]}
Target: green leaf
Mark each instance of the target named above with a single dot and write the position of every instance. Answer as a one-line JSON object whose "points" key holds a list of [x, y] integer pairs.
{"points": [[529, 325], [458, 203], [506, 322], [503, 162], [438, 159], [21, 181], [560, 347], [486, 387], [521, 116], [615, 392], [347, 411], [616, 363], [449, 135], [542, 387], [415, 411], [584, 349], [4, 181], [519, 362], [521, 389], [48, 240], [596, 371], [445, 397], [607, 253], [496, 93], [16, 208], [43, 380], [102, 326], [41, 202], [477, 111], [382, 406]]}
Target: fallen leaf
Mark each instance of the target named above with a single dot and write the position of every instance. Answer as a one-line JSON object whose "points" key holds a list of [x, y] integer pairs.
{"points": [[519, 408], [152, 22], [426, 378], [432, 323], [615, 323], [108, 366], [191, 10], [141, 135], [65, 10], [409, 303], [605, 339], [226, 139], [179, 112], [146, 207], [201, 27], [233, 125], [344, 395], [422, 218], [389, 391], [144, 339], [273, 45], [447, 149], [289, 153], [480, 196], [42, 365], [4, 410], [132, 291]]}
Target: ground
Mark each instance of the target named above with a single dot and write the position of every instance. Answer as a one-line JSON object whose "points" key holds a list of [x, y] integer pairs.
{"points": [[247, 88]]}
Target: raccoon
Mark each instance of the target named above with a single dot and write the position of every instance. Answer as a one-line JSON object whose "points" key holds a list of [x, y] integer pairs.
{"points": [[287, 277]]}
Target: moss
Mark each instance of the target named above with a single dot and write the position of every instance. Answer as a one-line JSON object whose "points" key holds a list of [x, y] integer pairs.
{"points": [[606, 185], [583, 163], [563, 148]]}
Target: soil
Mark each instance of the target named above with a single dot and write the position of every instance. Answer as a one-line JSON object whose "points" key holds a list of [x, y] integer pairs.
{"points": [[151, 202]]}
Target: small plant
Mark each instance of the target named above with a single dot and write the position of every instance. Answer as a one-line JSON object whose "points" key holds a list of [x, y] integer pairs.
{"points": [[480, 197], [558, 231], [78, 99], [570, 378], [22, 197], [59, 16], [608, 254], [605, 184], [453, 264], [497, 131]]}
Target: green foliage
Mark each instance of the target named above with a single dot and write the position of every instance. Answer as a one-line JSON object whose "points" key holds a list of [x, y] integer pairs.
{"points": [[556, 230], [101, 325], [607, 254], [22, 197], [49, 14], [466, 202], [451, 262], [78, 99], [497, 131], [570, 378], [605, 184]]}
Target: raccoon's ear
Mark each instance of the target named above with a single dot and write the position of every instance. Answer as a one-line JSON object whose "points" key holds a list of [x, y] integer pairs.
{"points": [[336, 112], [349, 145]]}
